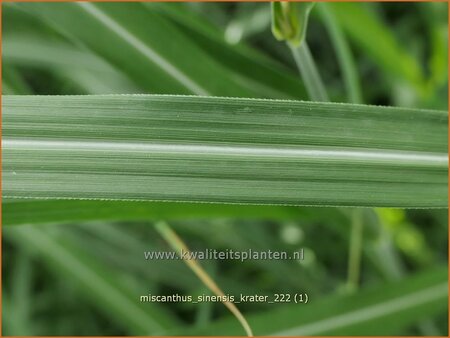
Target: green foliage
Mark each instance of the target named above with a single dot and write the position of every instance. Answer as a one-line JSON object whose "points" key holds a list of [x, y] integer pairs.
{"points": [[367, 30], [381, 310], [74, 236]]}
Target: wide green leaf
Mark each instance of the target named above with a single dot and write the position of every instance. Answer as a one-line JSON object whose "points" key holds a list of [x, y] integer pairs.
{"points": [[183, 148]]}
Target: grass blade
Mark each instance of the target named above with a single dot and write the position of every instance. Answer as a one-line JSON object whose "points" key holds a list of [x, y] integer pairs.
{"points": [[272, 79], [386, 308], [179, 246], [14, 83], [378, 41], [21, 212], [343, 53], [78, 65], [127, 32], [98, 284], [181, 148]]}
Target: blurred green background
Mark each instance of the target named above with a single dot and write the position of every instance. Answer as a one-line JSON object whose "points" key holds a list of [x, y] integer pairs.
{"points": [[85, 277]]}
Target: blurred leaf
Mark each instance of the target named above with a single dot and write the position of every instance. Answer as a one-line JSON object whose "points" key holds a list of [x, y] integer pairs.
{"points": [[142, 44], [77, 65], [118, 245], [249, 66], [71, 211], [18, 22], [223, 150], [381, 310], [343, 53], [436, 16], [379, 43], [19, 307], [439, 55], [99, 285], [30, 51], [251, 19], [14, 81]]}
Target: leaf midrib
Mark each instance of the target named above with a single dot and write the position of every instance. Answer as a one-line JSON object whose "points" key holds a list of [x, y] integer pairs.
{"points": [[367, 155]]}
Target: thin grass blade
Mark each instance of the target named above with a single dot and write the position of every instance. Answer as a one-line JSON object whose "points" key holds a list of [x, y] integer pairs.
{"points": [[100, 285], [125, 32], [389, 307]]}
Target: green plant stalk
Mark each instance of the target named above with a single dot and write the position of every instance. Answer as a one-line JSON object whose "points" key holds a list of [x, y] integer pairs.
{"points": [[343, 53], [355, 252], [389, 260], [21, 295], [289, 23], [309, 73], [205, 311]]}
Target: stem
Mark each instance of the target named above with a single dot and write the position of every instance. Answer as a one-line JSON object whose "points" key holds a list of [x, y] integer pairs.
{"points": [[177, 244], [354, 259], [390, 262], [344, 55], [308, 71], [205, 310]]}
